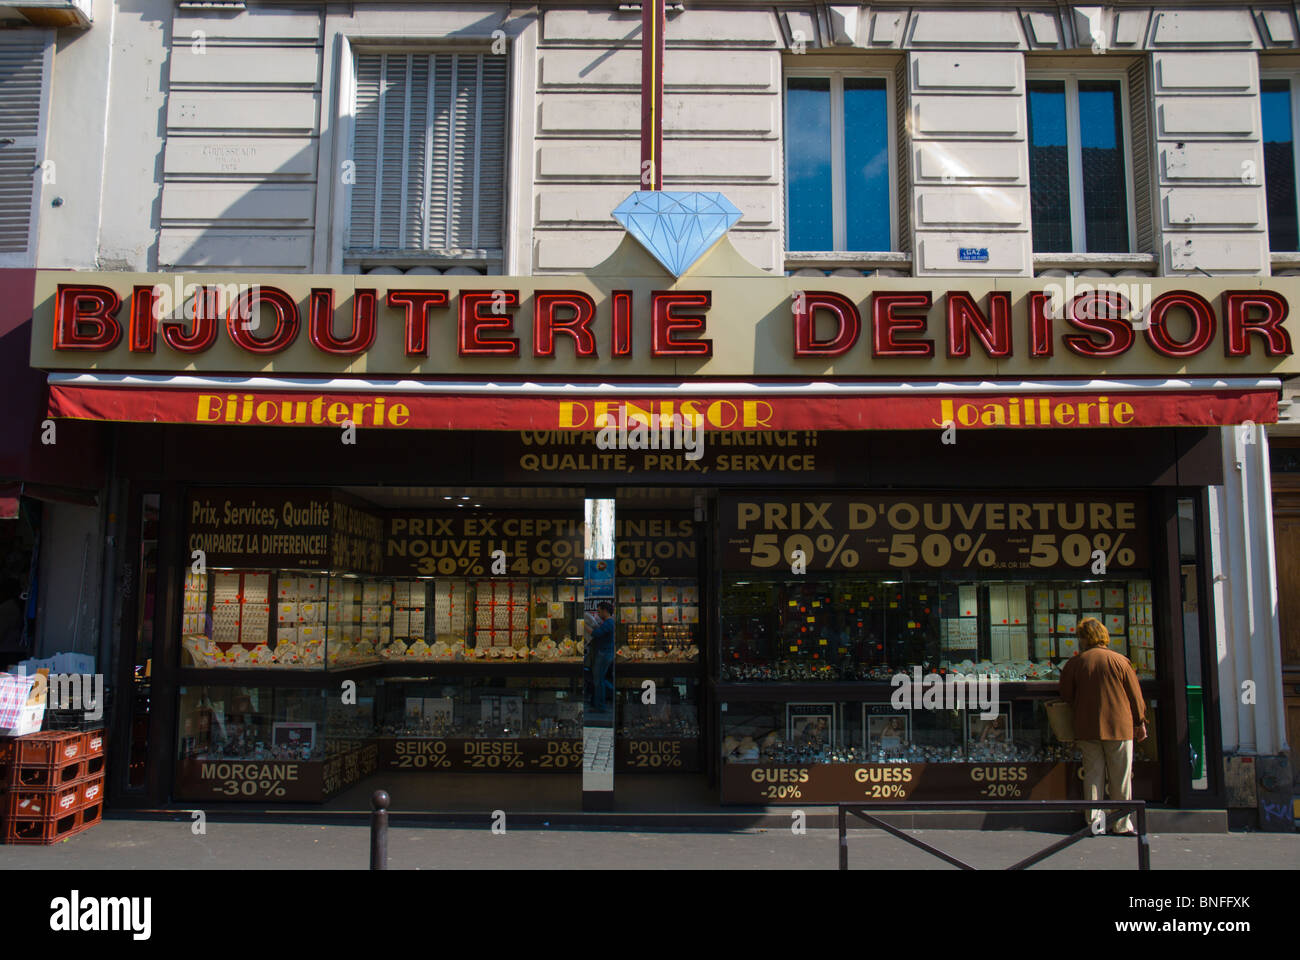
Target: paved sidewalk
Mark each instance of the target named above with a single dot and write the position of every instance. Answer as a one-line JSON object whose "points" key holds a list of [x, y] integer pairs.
{"points": [[153, 844]]}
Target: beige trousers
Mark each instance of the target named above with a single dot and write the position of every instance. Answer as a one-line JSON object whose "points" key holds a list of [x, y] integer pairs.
{"points": [[1107, 762]]}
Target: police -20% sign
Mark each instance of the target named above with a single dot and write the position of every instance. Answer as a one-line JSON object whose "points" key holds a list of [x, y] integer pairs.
{"points": [[938, 550]]}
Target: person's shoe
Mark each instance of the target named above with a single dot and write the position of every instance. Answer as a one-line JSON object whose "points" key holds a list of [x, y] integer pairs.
{"points": [[1130, 832]]}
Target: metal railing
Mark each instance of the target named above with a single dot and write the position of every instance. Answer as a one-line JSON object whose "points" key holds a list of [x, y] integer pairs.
{"points": [[1107, 807]]}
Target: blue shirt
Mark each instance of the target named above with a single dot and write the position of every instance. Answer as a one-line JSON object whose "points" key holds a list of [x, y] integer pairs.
{"points": [[602, 637]]}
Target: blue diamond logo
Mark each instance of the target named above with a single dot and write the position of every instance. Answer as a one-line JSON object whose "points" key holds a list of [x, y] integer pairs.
{"points": [[676, 227]]}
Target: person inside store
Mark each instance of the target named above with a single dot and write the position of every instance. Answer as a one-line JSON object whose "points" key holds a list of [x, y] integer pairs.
{"points": [[601, 626], [1109, 716]]}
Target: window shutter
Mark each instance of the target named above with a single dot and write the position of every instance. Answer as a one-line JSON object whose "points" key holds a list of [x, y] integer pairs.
{"points": [[365, 141], [430, 152], [22, 79], [904, 157], [492, 165], [1140, 136]]}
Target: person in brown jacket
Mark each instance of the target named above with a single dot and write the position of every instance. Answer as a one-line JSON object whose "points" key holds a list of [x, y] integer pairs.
{"points": [[1102, 687]]}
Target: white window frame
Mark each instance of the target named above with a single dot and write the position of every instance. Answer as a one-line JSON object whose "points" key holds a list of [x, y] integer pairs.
{"points": [[839, 210], [358, 259], [1074, 152], [28, 257], [1292, 77]]}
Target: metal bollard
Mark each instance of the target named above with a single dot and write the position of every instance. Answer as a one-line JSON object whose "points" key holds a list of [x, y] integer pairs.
{"points": [[379, 830]]}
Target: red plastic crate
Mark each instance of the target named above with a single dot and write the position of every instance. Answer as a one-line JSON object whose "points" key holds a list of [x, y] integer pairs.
{"points": [[34, 804], [43, 830], [42, 776], [92, 743], [90, 790], [87, 817], [51, 747], [94, 765]]}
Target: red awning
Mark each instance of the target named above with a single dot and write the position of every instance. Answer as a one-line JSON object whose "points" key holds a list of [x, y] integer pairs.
{"points": [[412, 405]]}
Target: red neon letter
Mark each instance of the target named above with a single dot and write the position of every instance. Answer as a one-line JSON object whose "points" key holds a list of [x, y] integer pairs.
{"points": [[964, 316], [1238, 303], [1040, 325], [244, 315], [578, 326], [1098, 312], [665, 322], [472, 323], [885, 323], [417, 304], [140, 333], [320, 322], [78, 306], [622, 334], [848, 324], [1197, 307]]}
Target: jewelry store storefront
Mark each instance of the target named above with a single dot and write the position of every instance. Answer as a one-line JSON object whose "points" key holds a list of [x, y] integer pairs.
{"points": [[354, 513]]}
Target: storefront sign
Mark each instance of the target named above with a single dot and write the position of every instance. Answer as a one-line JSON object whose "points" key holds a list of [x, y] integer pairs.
{"points": [[891, 532], [268, 527], [269, 780], [863, 783], [357, 538], [728, 457], [657, 755], [459, 542], [376, 406], [260, 528], [459, 755], [349, 766], [706, 327]]}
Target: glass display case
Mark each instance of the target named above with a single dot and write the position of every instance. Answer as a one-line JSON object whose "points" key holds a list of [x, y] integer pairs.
{"points": [[658, 621], [245, 743], [484, 724], [838, 750], [306, 620], [850, 628], [658, 727]]}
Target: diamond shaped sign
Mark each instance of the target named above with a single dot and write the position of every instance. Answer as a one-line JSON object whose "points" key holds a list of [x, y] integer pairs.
{"points": [[676, 227]]}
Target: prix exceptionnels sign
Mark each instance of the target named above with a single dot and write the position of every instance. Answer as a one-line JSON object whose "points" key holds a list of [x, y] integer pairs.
{"points": [[710, 326]]}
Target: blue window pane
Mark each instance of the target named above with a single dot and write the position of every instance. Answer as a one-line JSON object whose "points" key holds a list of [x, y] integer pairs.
{"points": [[808, 163], [866, 164], [1105, 193], [1279, 165], [1049, 167]]}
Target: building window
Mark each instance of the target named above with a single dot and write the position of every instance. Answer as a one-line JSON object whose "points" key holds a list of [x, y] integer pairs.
{"points": [[429, 148], [1080, 194], [1277, 110], [838, 162]]}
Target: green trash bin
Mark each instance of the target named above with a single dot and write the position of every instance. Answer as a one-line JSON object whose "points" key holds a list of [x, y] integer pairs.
{"points": [[1196, 730]]}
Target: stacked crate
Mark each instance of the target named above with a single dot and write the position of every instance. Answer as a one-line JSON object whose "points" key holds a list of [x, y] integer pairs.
{"points": [[54, 785]]}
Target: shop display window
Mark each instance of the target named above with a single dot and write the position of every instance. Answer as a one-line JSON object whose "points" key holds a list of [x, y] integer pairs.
{"points": [[855, 732], [304, 620], [658, 727], [658, 621], [252, 723], [848, 628], [479, 708]]}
